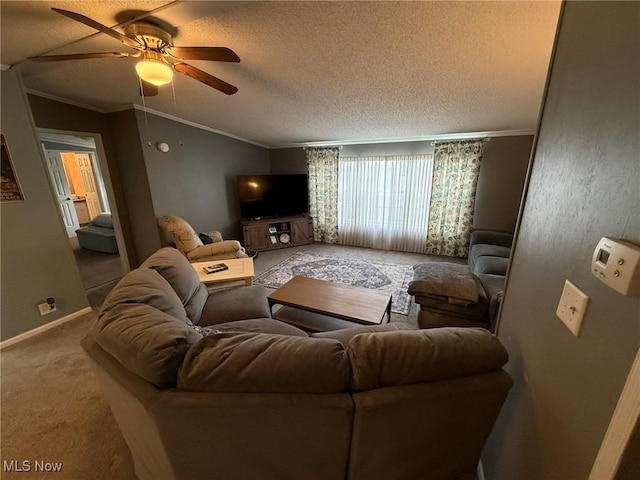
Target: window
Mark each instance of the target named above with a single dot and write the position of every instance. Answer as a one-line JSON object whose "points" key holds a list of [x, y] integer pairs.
{"points": [[383, 202]]}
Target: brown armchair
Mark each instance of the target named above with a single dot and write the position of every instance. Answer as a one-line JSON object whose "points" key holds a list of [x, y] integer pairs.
{"points": [[189, 243]]}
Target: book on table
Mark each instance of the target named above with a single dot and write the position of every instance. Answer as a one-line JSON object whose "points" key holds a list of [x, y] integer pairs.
{"points": [[216, 267]]}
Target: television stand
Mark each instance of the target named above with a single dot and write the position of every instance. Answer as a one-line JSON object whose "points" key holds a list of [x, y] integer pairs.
{"points": [[278, 232]]}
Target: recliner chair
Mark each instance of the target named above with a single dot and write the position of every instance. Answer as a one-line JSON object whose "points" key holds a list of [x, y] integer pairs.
{"points": [[191, 245]]}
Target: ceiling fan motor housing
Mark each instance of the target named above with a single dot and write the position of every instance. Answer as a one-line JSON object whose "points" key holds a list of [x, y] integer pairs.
{"points": [[149, 35]]}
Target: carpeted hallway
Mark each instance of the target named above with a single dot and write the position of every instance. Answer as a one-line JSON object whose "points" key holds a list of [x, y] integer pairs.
{"points": [[52, 409], [99, 271]]}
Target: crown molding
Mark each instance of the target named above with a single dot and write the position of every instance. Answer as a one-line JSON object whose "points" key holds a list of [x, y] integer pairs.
{"points": [[55, 98], [185, 122]]}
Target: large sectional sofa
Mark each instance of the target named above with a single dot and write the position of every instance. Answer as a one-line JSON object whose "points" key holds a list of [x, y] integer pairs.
{"points": [[451, 294], [206, 385]]}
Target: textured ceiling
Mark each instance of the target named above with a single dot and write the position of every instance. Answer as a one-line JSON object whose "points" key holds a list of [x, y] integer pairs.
{"points": [[309, 71]]}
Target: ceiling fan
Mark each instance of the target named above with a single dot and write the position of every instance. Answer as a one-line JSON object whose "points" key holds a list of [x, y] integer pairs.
{"points": [[159, 57]]}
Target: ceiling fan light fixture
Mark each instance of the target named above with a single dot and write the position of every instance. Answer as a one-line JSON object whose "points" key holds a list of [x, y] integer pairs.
{"points": [[154, 70]]}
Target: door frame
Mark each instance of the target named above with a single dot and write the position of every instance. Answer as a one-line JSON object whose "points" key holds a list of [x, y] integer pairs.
{"points": [[101, 159]]}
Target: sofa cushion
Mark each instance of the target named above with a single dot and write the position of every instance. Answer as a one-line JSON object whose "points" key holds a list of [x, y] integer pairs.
{"points": [[205, 239], [491, 237], [235, 304], [103, 220], [486, 250], [177, 270], [344, 335], [97, 231], [408, 357], [147, 341], [491, 265], [481, 250], [492, 284], [258, 362], [145, 285], [260, 325], [450, 282]]}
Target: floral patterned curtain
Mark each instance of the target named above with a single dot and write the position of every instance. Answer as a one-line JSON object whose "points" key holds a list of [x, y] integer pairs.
{"points": [[455, 178], [323, 192]]}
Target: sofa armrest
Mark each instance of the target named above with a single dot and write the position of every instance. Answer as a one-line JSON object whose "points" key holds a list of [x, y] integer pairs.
{"points": [[406, 357], [489, 237], [233, 304], [212, 249]]}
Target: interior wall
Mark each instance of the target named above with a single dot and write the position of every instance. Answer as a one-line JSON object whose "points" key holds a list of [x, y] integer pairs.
{"points": [[129, 161], [500, 183], [196, 178], [287, 160], [35, 252], [583, 185]]}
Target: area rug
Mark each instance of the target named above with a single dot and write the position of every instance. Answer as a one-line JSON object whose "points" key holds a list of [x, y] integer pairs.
{"points": [[386, 277]]}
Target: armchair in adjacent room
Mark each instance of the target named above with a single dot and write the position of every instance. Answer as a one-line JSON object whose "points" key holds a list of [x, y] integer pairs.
{"points": [[192, 246], [99, 235]]}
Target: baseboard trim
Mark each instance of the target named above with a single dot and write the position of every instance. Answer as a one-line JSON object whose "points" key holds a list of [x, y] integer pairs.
{"points": [[43, 328]]}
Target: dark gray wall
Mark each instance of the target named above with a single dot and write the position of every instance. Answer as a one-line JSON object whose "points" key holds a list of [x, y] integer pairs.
{"points": [[584, 185], [500, 184], [37, 261], [197, 180], [129, 161], [287, 160], [502, 175]]}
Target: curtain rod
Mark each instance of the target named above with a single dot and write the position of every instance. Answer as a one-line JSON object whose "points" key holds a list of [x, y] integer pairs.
{"points": [[339, 147], [470, 140]]}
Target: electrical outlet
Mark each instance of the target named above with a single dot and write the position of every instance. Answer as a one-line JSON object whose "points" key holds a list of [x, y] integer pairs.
{"points": [[572, 307], [46, 308]]}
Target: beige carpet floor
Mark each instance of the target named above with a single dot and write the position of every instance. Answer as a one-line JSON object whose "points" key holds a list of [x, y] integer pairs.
{"points": [[51, 406], [96, 268]]}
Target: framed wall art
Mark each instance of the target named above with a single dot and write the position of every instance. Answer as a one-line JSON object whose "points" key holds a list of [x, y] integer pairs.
{"points": [[10, 190]]}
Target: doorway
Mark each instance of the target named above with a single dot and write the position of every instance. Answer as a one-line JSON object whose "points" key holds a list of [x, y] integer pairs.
{"points": [[82, 192]]}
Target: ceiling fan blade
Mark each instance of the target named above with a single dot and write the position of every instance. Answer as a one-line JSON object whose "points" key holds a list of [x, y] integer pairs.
{"points": [[78, 56], [205, 78], [98, 26], [148, 89], [216, 54]]}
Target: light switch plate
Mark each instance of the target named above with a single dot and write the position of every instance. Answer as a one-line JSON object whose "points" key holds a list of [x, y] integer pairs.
{"points": [[572, 307]]}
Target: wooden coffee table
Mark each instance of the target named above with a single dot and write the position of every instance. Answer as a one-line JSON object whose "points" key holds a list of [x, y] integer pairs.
{"points": [[239, 269], [330, 305]]}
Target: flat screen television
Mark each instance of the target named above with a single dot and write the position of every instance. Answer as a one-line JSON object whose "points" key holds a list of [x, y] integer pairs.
{"points": [[273, 195]]}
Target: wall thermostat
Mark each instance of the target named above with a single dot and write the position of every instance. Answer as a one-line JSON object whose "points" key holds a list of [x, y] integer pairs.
{"points": [[617, 264], [163, 147]]}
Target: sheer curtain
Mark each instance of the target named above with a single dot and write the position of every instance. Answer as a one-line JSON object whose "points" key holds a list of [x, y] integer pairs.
{"points": [[383, 201], [456, 166], [323, 192]]}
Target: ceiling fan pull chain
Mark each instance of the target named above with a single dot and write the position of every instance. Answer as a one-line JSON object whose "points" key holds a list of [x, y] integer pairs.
{"points": [[175, 107], [144, 108]]}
